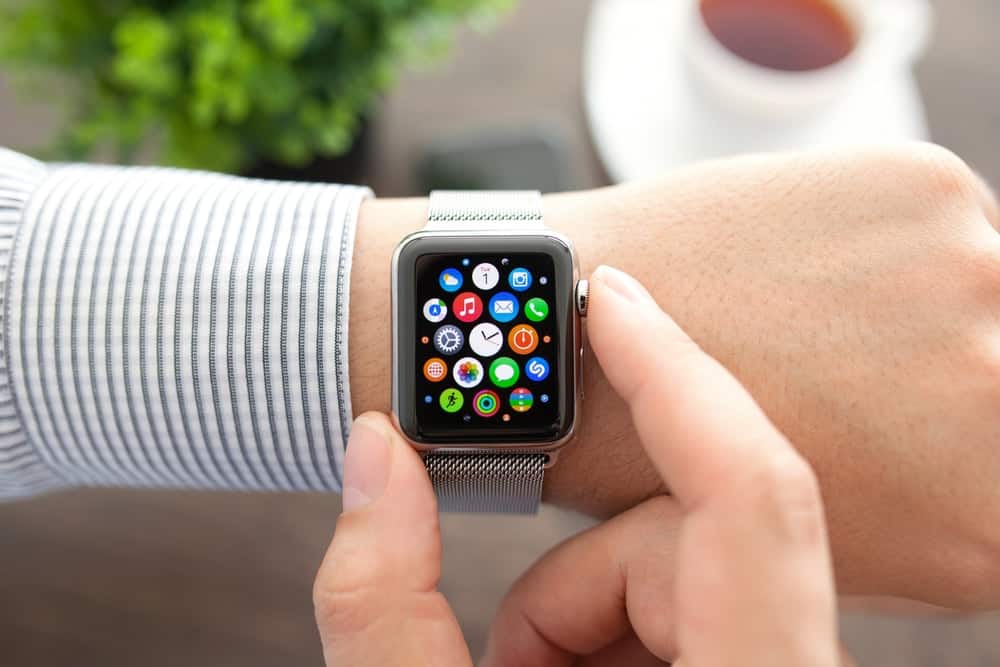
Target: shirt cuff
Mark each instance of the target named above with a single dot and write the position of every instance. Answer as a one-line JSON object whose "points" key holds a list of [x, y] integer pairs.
{"points": [[172, 328]]}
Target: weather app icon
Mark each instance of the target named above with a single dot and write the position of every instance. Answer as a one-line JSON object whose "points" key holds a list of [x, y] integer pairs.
{"points": [[450, 280]]}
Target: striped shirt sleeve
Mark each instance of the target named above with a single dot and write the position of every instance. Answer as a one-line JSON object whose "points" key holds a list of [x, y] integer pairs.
{"points": [[171, 328]]}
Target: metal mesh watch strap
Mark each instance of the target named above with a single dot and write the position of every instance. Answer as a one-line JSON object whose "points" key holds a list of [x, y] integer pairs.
{"points": [[486, 481], [474, 209], [493, 482]]}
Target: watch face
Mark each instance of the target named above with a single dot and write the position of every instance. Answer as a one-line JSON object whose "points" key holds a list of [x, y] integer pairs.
{"points": [[485, 339]]}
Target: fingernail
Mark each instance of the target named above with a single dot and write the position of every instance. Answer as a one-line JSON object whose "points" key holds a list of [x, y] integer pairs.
{"points": [[366, 464], [622, 284]]}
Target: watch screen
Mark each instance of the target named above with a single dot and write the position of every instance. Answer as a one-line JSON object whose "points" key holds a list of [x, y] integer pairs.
{"points": [[491, 329]]}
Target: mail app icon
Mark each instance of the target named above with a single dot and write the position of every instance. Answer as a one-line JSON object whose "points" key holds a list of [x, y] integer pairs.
{"points": [[503, 307]]}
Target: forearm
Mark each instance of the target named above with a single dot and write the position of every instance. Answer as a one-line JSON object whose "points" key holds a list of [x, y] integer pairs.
{"points": [[852, 293]]}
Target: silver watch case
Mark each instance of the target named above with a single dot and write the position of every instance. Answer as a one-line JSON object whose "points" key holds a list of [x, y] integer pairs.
{"points": [[553, 448]]}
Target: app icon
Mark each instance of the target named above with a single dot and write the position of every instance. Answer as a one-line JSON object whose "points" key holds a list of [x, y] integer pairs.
{"points": [[519, 279], [503, 306], [521, 400], [467, 307], [536, 369], [486, 339], [450, 280], [435, 369], [504, 372], [486, 403], [448, 339], [523, 339], [451, 400], [468, 372], [536, 309], [435, 310], [485, 276]]}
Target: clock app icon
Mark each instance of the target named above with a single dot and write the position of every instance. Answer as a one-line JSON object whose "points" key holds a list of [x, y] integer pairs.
{"points": [[486, 339]]}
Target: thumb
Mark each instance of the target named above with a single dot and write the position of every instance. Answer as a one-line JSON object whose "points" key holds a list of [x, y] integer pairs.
{"points": [[376, 596]]}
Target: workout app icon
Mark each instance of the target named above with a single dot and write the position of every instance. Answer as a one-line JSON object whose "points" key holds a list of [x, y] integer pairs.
{"points": [[448, 339], [450, 280], [486, 403], [451, 400]]}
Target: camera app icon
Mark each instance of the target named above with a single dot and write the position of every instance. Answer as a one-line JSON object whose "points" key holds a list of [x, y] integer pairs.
{"points": [[520, 279]]}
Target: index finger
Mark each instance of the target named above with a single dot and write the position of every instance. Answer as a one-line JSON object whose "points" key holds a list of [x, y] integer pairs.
{"points": [[701, 429], [753, 581]]}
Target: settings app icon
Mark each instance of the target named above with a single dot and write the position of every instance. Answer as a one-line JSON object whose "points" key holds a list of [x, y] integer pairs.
{"points": [[448, 339]]}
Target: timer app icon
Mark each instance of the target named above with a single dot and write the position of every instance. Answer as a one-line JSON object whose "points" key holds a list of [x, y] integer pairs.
{"points": [[523, 339]]}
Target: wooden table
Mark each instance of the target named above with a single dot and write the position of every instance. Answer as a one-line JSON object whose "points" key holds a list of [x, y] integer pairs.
{"points": [[117, 577]]}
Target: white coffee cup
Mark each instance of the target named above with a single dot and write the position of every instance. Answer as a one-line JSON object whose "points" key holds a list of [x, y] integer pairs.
{"points": [[661, 91], [889, 36]]}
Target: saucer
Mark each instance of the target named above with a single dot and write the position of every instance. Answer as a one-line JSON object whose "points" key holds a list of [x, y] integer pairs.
{"points": [[646, 114]]}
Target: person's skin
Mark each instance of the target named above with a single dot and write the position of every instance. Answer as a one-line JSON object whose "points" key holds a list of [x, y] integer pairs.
{"points": [[733, 569], [856, 294]]}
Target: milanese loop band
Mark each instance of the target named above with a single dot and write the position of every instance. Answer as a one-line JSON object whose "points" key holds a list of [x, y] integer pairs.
{"points": [[471, 209], [490, 482]]}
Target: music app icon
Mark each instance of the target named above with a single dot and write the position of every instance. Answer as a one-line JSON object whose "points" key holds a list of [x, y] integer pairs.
{"points": [[467, 307]]}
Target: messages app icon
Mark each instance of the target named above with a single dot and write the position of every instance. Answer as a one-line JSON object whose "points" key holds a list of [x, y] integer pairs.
{"points": [[504, 306]]}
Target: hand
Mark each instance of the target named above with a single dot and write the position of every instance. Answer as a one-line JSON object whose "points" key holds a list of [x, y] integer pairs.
{"points": [[734, 569], [854, 293]]}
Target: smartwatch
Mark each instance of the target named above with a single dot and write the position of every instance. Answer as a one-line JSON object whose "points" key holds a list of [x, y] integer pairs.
{"points": [[487, 348]]}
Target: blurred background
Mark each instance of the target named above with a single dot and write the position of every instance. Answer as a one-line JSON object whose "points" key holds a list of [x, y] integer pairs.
{"points": [[405, 96]]}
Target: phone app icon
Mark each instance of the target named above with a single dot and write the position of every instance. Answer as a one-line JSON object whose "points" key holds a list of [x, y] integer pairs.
{"points": [[468, 372], [450, 280], [435, 310], [536, 309], [448, 339], [521, 400], [503, 307], [467, 307], [451, 400], [435, 369], [536, 369], [486, 403], [485, 276], [519, 279], [486, 339], [523, 339], [504, 372]]}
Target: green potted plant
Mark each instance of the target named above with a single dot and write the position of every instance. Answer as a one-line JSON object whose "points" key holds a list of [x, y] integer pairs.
{"points": [[229, 85]]}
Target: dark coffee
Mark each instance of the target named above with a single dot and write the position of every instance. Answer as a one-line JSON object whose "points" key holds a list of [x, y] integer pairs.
{"points": [[791, 35]]}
